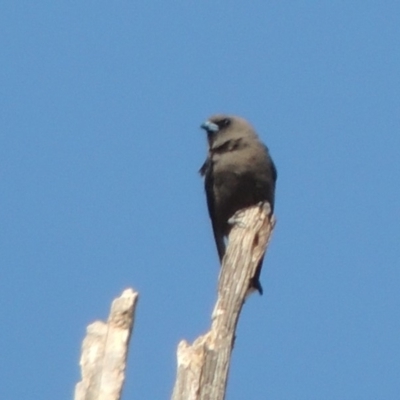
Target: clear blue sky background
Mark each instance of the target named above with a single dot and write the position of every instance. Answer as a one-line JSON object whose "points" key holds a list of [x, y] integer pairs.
{"points": [[100, 146]]}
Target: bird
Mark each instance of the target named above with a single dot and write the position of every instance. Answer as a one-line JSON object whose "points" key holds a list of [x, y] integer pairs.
{"points": [[238, 173]]}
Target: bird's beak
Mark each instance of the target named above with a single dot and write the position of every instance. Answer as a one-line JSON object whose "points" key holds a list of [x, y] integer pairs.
{"points": [[209, 127]]}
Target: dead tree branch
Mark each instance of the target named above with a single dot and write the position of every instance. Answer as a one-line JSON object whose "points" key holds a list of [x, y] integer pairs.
{"points": [[104, 352], [203, 366]]}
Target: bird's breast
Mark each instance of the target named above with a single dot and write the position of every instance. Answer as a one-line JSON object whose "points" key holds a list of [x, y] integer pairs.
{"points": [[240, 180]]}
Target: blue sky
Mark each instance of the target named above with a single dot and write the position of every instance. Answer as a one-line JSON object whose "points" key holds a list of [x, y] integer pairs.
{"points": [[100, 146]]}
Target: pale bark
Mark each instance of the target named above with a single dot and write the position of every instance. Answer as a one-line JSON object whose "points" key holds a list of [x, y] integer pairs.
{"points": [[104, 352], [203, 366]]}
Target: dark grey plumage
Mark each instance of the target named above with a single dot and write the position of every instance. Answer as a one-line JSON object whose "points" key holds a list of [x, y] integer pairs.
{"points": [[238, 172]]}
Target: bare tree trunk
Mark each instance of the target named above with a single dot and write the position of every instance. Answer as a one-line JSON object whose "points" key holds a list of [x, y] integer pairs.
{"points": [[104, 352], [203, 366]]}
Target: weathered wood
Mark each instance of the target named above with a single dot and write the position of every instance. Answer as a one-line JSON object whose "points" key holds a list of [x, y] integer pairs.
{"points": [[203, 366], [104, 351]]}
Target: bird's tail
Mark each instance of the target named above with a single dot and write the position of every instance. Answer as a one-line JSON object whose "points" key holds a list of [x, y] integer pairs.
{"points": [[255, 280]]}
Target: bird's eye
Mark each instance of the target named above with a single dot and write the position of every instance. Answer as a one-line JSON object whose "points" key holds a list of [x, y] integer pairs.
{"points": [[225, 122]]}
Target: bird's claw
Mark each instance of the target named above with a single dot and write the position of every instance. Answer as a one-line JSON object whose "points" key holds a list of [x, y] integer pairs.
{"points": [[236, 220], [266, 206]]}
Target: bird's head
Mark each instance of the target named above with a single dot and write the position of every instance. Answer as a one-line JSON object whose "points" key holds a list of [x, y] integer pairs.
{"points": [[221, 127]]}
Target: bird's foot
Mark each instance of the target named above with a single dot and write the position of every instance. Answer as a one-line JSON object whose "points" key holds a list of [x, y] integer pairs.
{"points": [[236, 220], [266, 206]]}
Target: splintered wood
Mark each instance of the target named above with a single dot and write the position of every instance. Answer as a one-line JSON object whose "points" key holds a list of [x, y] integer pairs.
{"points": [[104, 352]]}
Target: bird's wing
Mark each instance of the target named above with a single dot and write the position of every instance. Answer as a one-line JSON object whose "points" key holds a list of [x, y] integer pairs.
{"points": [[274, 171], [204, 167], [273, 167], [207, 171]]}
